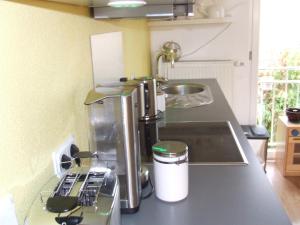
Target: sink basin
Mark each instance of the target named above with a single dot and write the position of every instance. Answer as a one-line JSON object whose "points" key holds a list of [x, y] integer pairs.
{"points": [[183, 89], [186, 95]]}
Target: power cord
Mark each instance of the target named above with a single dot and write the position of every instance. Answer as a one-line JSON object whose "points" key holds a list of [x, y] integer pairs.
{"points": [[217, 35], [208, 42], [151, 191]]}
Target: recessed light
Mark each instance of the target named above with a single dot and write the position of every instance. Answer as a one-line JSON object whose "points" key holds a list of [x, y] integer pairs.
{"points": [[126, 3]]}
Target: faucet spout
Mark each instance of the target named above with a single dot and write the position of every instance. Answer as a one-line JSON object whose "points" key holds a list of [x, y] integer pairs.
{"points": [[172, 61]]}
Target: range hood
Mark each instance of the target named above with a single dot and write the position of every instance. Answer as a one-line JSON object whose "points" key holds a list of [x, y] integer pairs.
{"points": [[153, 9]]}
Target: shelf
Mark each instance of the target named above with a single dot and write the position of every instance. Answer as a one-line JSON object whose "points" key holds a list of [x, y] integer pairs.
{"points": [[188, 21]]}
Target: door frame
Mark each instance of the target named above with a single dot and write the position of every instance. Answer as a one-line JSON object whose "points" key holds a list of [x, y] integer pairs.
{"points": [[254, 57]]}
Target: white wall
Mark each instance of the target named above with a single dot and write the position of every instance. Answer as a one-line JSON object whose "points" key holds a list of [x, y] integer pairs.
{"points": [[234, 44]]}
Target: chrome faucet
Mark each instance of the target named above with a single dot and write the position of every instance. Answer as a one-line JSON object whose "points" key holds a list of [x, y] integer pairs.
{"points": [[170, 52]]}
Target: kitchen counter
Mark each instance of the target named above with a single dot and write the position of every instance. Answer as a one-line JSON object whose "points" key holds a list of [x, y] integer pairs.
{"points": [[218, 195]]}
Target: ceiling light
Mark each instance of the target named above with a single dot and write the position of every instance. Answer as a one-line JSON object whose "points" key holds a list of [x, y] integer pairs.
{"points": [[126, 3]]}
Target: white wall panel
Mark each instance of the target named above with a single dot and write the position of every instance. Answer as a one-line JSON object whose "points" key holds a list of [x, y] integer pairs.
{"points": [[107, 56], [234, 44]]}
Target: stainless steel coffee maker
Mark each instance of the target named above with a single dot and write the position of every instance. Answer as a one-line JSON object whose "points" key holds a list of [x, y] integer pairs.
{"points": [[147, 98], [113, 115]]}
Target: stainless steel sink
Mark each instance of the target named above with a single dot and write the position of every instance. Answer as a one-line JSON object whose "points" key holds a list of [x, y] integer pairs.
{"points": [[183, 89], [186, 95]]}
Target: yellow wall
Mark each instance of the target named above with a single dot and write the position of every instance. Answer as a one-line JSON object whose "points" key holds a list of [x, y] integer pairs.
{"points": [[45, 74]]}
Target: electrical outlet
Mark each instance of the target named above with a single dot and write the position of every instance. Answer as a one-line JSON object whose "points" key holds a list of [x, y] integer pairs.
{"points": [[63, 152]]}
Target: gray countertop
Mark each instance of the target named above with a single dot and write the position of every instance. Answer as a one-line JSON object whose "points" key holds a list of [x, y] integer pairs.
{"points": [[218, 195]]}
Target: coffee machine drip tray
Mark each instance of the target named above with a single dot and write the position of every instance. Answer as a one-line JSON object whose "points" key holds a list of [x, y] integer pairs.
{"points": [[210, 143]]}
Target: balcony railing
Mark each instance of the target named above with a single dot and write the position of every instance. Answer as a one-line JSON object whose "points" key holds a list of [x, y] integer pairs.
{"points": [[278, 89]]}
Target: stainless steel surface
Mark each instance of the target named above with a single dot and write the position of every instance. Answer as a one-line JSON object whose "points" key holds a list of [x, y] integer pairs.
{"points": [[71, 180], [170, 149], [147, 94], [237, 142], [98, 199], [103, 3], [165, 10], [131, 149], [114, 136], [103, 92], [184, 95], [153, 9], [144, 176], [147, 98], [183, 89], [141, 101], [152, 99]]}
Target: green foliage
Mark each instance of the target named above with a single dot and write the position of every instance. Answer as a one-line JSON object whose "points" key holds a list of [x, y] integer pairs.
{"points": [[279, 75], [283, 95], [294, 75]]}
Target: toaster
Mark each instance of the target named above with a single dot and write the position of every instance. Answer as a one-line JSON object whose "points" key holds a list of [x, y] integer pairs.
{"points": [[81, 197]]}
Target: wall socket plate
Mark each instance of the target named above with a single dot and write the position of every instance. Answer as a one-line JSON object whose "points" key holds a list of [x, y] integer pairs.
{"points": [[64, 149]]}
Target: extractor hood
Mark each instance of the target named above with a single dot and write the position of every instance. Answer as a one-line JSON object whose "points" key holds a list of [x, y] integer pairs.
{"points": [[100, 9], [152, 9]]}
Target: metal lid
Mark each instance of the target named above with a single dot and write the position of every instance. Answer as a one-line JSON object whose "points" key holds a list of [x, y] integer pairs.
{"points": [[170, 148], [102, 92]]}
